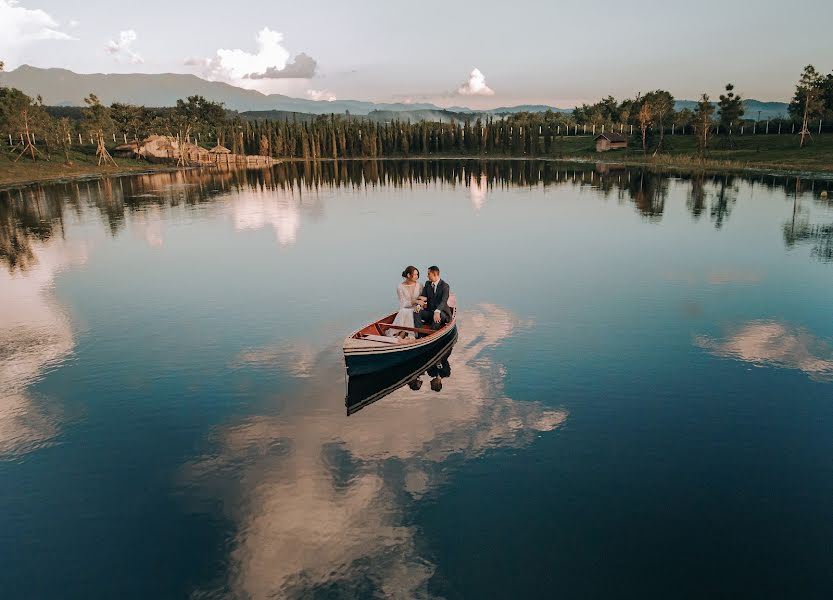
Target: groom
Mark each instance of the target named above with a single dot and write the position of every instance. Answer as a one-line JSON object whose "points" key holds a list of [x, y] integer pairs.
{"points": [[435, 312]]}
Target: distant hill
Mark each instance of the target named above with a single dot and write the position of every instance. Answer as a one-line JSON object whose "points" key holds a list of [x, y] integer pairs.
{"points": [[60, 87], [768, 110], [63, 88]]}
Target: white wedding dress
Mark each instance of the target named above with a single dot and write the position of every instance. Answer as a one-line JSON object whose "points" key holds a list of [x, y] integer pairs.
{"points": [[407, 295]]}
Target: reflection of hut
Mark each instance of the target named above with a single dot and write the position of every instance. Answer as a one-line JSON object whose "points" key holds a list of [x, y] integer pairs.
{"points": [[610, 140]]}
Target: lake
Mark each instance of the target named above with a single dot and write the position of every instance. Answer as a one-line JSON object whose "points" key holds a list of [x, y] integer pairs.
{"points": [[639, 403]]}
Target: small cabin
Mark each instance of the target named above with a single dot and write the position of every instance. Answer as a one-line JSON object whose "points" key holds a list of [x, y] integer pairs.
{"points": [[610, 140]]}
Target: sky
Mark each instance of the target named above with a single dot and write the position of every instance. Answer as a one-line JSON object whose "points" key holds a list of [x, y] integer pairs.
{"points": [[481, 54]]}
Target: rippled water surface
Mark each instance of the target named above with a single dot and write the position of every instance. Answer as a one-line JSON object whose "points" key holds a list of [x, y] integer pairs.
{"points": [[639, 403]]}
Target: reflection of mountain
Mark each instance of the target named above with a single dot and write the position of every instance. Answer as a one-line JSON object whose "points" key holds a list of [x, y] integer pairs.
{"points": [[321, 499], [34, 335], [775, 344]]}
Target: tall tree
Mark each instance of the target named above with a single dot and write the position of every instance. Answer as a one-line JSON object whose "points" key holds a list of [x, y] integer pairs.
{"points": [[646, 117], [97, 120], [703, 121], [731, 110], [662, 103], [807, 102], [23, 117]]}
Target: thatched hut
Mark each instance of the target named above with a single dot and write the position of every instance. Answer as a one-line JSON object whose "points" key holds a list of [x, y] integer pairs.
{"points": [[195, 153], [218, 149]]}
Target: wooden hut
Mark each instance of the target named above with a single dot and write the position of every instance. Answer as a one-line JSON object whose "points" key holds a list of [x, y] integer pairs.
{"points": [[610, 140], [218, 149]]}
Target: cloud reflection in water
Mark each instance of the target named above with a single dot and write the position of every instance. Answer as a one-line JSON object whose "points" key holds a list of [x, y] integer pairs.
{"points": [[35, 335], [320, 500], [775, 344]]}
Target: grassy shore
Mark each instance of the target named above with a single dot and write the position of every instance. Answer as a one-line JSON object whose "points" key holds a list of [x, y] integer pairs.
{"points": [[84, 164], [751, 152], [773, 152]]}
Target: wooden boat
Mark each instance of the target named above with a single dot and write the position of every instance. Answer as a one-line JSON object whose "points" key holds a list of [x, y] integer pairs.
{"points": [[363, 390], [369, 349]]}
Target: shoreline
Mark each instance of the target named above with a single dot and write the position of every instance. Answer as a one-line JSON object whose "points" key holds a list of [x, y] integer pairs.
{"points": [[660, 164]]}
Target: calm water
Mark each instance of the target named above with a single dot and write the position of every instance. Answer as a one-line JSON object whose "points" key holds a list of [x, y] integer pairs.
{"points": [[639, 404]]}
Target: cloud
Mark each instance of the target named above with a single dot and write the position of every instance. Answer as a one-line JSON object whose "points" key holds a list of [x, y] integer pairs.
{"points": [[21, 26], [321, 95], [270, 61], [303, 67], [123, 48], [475, 85]]}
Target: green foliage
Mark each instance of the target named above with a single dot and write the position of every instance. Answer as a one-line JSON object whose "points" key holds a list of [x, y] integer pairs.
{"points": [[97, 119], [809, 96], [730, 107], [703, 121]]}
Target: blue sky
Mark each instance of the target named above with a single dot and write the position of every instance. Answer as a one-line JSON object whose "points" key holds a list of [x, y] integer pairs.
{"points": [[524, 52]]}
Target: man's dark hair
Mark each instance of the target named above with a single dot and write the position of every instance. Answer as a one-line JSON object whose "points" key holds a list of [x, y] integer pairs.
{"points": [[434, 269], [437, 384]]}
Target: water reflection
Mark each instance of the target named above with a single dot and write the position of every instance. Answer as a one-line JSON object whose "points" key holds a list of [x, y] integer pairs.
{"points": [[35, 335], [364, 390], [320, 502], [279, 197], [774, 344], [803, 229]]}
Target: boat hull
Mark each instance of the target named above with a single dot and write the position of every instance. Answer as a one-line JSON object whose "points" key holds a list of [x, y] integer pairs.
{"points": [[364, 363], [363, 390]]}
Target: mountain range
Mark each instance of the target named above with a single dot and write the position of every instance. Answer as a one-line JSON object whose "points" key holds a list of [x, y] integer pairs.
{"points": [[61, 87]]}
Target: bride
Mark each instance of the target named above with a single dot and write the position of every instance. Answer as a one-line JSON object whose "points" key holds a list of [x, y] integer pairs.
{"points": [[408, 291]]}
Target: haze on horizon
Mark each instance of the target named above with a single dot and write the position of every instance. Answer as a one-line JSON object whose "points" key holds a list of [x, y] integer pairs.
{"points": [[484, 55]]}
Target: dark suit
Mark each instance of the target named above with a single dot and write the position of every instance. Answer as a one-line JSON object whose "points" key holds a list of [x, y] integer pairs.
{"points": [[436, 301]]}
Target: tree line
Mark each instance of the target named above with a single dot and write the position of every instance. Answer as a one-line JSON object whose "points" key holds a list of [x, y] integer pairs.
{"points": [[647, 116]]}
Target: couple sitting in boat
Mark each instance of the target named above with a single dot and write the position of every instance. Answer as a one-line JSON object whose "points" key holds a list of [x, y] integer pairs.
{"points": [[421, 306]]}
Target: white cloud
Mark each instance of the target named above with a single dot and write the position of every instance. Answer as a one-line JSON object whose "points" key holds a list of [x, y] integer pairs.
{"points": [[21, 26], [475, 85], [321, 95], [270, 60], [123, 48]]}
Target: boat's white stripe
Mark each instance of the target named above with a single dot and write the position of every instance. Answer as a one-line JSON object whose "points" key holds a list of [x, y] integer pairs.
{"points": [[391, 349]]}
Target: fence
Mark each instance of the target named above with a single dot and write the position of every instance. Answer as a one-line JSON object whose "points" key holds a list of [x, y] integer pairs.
{"points": [[77, 139]]}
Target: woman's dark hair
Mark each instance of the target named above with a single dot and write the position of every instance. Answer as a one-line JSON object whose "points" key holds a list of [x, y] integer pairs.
{"points": [[408, 270], [415, 384]]}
